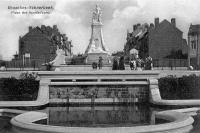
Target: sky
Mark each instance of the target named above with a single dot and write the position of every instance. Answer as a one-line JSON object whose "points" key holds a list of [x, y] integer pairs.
{"points": [[73, 17]]}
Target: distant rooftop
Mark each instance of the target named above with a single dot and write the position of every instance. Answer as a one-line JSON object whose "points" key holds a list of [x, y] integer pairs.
{"points": [[194, 29]]}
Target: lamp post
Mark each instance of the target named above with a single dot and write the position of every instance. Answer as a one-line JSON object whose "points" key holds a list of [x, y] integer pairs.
{"points": [[197, 52], [189, 47]]}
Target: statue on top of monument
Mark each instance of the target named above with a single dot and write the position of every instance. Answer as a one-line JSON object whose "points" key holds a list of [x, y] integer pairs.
{"points": [[97, 14]]}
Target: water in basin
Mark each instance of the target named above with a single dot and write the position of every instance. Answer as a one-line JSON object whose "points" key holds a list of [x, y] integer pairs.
{"points": [[99, 116]]}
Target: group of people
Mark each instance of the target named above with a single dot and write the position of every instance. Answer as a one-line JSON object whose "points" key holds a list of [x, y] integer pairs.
{"points": [[139, 64], [135, 63], [118, 65], [99, 64]]}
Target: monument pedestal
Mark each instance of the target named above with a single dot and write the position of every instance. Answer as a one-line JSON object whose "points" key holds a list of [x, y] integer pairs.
{"points": [[94, 57]]}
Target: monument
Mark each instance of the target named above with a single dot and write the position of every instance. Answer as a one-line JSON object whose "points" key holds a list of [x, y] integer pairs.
{"points": [[96, 48], [60, 57]]}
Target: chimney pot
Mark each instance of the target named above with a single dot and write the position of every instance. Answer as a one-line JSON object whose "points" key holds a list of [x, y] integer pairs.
{"points": [[134, 27], [55, 27], [156, 22], [43, 27], [30, 28], [173, 22]]}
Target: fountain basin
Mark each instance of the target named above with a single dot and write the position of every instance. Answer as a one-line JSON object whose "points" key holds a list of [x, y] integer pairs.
{"points": [[179, 123]]}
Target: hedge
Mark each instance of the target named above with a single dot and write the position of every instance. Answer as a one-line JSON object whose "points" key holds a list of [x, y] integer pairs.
{"points": [[12, 89], [186, 87]]}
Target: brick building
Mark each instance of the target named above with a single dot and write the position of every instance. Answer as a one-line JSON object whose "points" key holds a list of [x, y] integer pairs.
{"points": [[40, 43], [161, 40], [194, 46], [164, 38]]}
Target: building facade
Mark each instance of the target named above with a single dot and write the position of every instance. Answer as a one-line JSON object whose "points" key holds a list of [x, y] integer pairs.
{"points": [[165, 38], [194, 46], [39, 45], [161, 40]]}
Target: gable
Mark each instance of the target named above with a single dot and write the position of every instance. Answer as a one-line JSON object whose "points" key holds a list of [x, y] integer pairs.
{"points": [[168, 26], [194, 29]]}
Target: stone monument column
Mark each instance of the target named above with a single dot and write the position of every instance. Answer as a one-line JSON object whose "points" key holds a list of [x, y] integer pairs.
{"points": [[96, 47]]}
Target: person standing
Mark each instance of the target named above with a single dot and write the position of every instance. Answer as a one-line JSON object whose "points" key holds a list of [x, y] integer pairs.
{"points": [[139, 64], [133, 64], [149, 63], [115, 64], [100, 64], [121, 63]]}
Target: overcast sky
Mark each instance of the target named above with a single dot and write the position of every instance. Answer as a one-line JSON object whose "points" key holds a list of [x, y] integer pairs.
{"points": [[73, 18]]}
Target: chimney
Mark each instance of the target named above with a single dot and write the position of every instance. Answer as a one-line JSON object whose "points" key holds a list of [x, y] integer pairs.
{"points": [[151, 26], [173, 22], [42, 27], [55, 27], [30, 28], [134, 27], [156, 22], [138, 25]]}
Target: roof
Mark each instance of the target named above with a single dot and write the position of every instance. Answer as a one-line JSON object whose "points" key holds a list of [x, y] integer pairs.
{"points": [[36, 30], [140, 31], [167, 22], [194, 29]]}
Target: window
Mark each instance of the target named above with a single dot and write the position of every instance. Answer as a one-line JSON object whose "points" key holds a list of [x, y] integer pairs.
{"points": [[193, 44]]}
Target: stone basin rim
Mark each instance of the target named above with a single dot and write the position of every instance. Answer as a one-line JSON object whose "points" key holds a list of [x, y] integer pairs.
{"points": [[179, 121]]}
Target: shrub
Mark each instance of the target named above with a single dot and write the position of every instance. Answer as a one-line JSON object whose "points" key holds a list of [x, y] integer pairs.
{"points": [[29, 75], [24, 89], [168, 86], [2, 63], [186, 87], [10, 88]]}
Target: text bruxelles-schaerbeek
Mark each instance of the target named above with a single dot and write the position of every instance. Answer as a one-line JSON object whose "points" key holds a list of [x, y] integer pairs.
{"points": [[31, 7]]}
